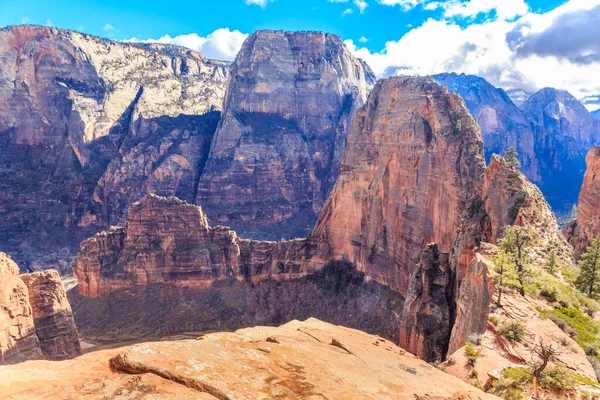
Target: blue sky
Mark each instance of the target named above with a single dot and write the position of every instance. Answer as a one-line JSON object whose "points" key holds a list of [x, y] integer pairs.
{"points": [[528, 44], [151, 19]]}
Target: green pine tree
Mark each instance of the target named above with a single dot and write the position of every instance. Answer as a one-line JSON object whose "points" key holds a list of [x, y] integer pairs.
{"points": [[551, 263], [512, 157], [588, 280], [515, 244]]}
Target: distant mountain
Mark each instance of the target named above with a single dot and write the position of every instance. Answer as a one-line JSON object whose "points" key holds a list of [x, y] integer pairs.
{"points": [[552, 131], [596, 114], [518, 96], [502, 123]]}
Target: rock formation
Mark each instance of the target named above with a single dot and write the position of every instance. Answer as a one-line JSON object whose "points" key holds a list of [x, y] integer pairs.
{"points": [[412, 174], [413, 165], [82, 116], [18, 341], [586, 227], [35, 316], [297, 360], [510, 199], [596, 114], [52, 316], [278, 147]]}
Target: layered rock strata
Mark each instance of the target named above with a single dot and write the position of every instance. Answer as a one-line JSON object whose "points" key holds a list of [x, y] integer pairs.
{"points": [[35, 315], [586, 226], [277, 150], [80, 118]]}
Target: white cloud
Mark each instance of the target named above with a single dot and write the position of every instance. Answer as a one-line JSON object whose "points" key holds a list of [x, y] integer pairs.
{"points": [[260, 3], [484, 49], [504, 9], [25, 20], [347, 11], [48, 22], [108, 27], [361, 4], [222, 44], [363, 39]]}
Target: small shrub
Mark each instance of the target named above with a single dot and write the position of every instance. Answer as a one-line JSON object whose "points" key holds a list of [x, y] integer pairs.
{"points": [[558, 378], [512, 384], [473, 353], [512, 330], [493, 318], [591, 350]]}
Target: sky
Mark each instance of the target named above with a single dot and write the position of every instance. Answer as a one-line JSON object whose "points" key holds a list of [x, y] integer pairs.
{"points": [[527, 44]]}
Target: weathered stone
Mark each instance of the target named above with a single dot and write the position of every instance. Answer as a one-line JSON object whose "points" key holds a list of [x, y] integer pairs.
{"points": [[586, 227], [52, 315], [81, 118], [309, 359], [18, 341], [277, 150]]}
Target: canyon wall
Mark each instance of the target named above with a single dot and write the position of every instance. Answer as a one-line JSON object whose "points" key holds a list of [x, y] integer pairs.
{"points": [[36, 321], [277, 150], [586, 226], [81, 118]]}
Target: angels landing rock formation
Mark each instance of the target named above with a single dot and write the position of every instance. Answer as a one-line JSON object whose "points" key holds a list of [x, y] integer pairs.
{"points": [[278, 147], [586, 227], [412, 174], [36, 321], [81, 119]]}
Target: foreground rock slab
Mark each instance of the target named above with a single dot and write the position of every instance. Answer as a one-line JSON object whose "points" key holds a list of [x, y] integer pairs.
{"points": [[299, 360]]}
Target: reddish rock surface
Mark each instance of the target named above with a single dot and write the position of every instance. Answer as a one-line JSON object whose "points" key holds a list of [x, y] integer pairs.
{"points": [[298, 360], [18, 341], [586, 227], [278, 147], [413, 166], [52, 315], [36, 321]]}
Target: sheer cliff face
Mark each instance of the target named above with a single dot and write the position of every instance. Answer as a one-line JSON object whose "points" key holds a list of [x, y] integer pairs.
{"points": [[277, 150], [412, 167], [82, 116], [586, 227], [36, 321]]}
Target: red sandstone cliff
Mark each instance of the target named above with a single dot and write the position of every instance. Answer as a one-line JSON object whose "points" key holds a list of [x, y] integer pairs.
{"points": [[586, 227], [36, 321]]}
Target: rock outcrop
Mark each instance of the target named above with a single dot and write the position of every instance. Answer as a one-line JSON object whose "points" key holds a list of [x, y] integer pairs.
{"points": [[36, 321], [413, 166], [52, 315], [297, 360], [510, 199], [518, 96], [80, 117], [586, 227], [18, 341], [278, 147]]}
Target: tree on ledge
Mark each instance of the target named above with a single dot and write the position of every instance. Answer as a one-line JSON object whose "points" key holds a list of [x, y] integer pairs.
{"points": [[588, 280], [512, 157]]}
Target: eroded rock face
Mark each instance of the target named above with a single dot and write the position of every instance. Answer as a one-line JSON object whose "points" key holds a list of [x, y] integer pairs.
{"points": [[297, 360], [510, 199], [586, 227], [52, 315], [81, 117], [413, 165], [278, 147], [18, 341], [36, 321]]}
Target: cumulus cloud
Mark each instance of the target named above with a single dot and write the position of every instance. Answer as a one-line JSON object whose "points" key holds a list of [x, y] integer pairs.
{"points": [[108, 27], [260, 3], [535, 51], [361, 5], [503, 9], [222, 44]]}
